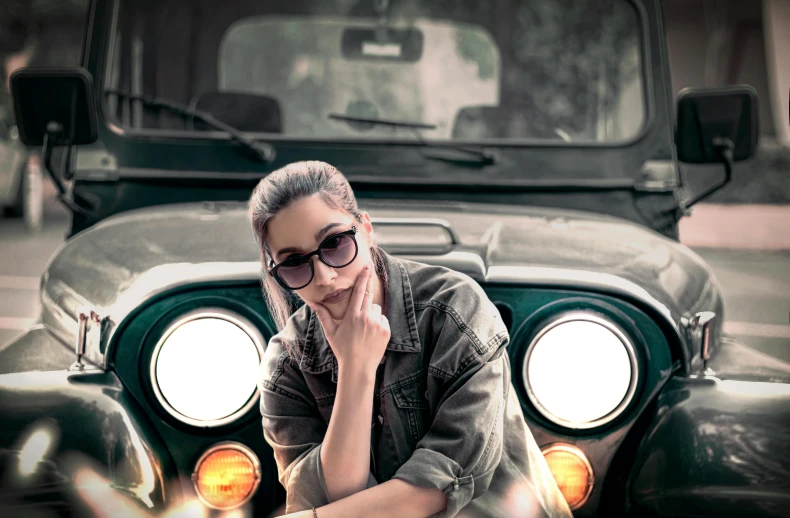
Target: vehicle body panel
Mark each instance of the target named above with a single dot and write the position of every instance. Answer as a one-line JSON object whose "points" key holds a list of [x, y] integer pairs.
{"points": [[716, 448], [110, 432]]}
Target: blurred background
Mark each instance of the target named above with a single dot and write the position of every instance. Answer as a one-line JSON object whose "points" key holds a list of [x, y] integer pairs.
{"points": [[741, 230]]}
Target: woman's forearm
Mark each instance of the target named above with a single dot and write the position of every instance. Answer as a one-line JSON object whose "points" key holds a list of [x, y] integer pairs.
{"points": [[392, 499], [345, 452]]}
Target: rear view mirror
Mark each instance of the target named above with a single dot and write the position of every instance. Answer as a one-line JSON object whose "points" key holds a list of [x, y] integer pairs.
{"points": [[382, 44], [707, 117], [54, 103]]}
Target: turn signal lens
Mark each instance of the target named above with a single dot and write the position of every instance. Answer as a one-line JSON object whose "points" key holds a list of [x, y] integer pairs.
{"points": [[226, 476], [572, 471]]}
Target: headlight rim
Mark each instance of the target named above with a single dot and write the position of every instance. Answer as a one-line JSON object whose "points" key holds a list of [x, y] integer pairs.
{"points": [[586, 315], [228, 445], [195, 314]]}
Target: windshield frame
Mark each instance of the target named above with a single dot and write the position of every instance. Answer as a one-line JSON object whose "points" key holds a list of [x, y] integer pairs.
{"points": [[647, 90]]}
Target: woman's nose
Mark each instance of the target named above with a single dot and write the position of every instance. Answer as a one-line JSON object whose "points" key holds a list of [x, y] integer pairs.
{"points": [[322, 273]]}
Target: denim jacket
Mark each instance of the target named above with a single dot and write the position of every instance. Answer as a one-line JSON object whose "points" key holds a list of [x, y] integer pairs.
{"points": [[448, 415]]}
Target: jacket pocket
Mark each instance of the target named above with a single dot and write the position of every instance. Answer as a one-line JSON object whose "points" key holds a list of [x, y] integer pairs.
{"points": [[412, 408]]}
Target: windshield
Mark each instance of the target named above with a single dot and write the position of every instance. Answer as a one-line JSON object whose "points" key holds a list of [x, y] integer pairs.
{"points": [[505, 70]]}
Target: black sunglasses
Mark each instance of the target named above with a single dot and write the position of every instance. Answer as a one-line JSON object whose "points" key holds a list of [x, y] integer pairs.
{"points": [[336, 251]]}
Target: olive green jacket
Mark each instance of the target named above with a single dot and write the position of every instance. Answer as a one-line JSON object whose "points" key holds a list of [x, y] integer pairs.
{"points": [[448, 415]]}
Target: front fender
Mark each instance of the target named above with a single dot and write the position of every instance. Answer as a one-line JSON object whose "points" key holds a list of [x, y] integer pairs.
{"points": [[716, 448], [47, 416]]}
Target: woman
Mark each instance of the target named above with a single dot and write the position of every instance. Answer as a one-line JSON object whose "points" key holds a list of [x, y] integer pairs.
{"points": [[388, 392]]}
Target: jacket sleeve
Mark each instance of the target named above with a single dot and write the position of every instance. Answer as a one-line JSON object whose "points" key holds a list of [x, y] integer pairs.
{"points": [[294, 429], [463, 446]]}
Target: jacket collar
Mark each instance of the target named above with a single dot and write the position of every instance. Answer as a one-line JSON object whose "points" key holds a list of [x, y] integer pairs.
{"points": [[318, 356]]}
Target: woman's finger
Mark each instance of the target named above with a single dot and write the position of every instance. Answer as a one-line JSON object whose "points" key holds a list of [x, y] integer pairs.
{"points": [[368, 299], [358, 294], [375, 310], [324, 317]]}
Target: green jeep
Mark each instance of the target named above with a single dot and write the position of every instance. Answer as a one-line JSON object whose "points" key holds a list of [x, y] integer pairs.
{"points": [[531, 144]]}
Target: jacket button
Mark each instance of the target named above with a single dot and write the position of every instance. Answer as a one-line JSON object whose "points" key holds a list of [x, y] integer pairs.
{"points": [[455, 485]]}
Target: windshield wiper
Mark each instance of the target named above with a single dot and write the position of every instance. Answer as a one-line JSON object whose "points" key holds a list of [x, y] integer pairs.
{"points": [[260, 150], [382, 122], [438, 151]]}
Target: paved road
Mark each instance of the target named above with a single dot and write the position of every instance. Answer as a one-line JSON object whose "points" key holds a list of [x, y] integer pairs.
{"points": [[22, 260], [756, 284]]}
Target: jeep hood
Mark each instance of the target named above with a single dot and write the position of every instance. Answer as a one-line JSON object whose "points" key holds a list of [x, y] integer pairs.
{"points": [[127, 259]]}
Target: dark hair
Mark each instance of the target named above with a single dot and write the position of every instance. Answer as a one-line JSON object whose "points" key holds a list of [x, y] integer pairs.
{"points": [[276, 192]]}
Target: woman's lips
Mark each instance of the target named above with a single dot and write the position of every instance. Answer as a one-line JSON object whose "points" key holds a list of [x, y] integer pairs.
{"points": [[337, 298]]}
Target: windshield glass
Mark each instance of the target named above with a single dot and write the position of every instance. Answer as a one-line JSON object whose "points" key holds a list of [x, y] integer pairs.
{"points": [[504, 70]]}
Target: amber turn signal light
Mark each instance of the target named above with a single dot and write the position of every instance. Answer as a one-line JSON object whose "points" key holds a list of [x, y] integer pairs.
{"points": [[226, 475], [572, 471]]}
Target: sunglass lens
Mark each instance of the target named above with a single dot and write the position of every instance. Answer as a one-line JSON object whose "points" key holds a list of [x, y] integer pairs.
{"points": [[295, 276], [339, 250]]}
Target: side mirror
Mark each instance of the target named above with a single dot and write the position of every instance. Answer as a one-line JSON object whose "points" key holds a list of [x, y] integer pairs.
{"points": [[54, 106], [708, 116], [716, 126]]}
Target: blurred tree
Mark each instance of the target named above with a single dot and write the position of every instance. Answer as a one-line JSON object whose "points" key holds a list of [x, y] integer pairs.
{"points": [[15, 26], [567, 60], [40, 33], [564, 62]]}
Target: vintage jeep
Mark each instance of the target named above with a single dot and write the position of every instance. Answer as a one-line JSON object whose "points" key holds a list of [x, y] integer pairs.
{"points": [[530, 144]]}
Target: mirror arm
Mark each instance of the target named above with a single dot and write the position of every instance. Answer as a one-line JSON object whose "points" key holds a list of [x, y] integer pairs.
{"points": [[53, 130], [724, 148]]}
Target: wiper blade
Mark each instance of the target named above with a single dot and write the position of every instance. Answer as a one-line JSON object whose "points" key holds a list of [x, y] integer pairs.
{"points": [[446, 153], [382, 122], [480, 157], [260, 150]]}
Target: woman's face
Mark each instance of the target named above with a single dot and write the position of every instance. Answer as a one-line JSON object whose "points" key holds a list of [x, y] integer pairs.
{"points": [[300, 228]]}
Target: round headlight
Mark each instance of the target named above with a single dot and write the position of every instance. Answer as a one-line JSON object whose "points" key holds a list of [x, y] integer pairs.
{"points": [[204, 369], [580, 371]]}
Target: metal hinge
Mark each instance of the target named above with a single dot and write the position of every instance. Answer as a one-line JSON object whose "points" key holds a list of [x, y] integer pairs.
{"points": [[90, 322], [701, 328]]}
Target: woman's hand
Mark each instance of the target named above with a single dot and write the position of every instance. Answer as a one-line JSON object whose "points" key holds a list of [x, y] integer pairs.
{"points": [[360, 339]]}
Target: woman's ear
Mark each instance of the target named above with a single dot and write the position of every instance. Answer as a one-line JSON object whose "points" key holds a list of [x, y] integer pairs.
{"points": [[366, 224]]}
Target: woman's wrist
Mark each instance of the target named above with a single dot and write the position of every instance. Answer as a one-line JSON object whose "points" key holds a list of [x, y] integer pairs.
{"points": [[357, 374]]}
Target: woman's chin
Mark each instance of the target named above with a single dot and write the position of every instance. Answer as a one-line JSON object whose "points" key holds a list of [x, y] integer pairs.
{"points": [[338, 311]]}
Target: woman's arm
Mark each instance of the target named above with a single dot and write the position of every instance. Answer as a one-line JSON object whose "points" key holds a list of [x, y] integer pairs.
{"points": [[454, 461], [358, 342], [392, 499], [295, 430], [345, 452]]}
